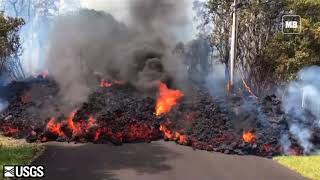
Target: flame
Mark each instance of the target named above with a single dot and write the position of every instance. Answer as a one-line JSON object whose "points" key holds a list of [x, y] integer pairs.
{"points": [[173, 136], [167, 99], [249, 137]]}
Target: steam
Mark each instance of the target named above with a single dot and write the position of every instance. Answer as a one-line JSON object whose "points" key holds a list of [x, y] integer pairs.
{"points": [[302, 103], [88, 45]]}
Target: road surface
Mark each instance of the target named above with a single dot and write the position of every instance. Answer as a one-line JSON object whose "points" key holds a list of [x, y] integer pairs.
{"points": [[154, 161]]}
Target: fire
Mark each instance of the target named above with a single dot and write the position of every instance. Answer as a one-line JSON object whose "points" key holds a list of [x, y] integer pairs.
{"points": [[105, 84], [173, 136], [249, 137], [167, 99]]}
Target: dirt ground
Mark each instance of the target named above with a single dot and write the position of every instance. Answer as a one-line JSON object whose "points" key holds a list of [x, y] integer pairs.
{"points": [[154, 161]]}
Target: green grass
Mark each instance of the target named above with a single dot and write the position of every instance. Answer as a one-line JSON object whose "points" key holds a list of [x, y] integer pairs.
{"points": [[307, 166], [16, 152]]}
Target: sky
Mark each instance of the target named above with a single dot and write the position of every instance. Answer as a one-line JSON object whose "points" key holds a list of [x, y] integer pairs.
{"points": [[120, 10]]}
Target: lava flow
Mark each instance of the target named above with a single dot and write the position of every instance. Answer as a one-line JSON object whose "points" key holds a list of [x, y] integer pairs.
{"points": [[173, 136], [105, 84], [249, 137], [167, 99], [76, 128]]}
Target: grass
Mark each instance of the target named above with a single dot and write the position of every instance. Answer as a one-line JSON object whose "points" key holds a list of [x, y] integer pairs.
{"points": [[16, 152], [307, 166]]}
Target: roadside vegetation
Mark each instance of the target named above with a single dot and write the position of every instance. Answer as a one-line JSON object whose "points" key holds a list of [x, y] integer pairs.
{"points": [[17, 152], [308, 166]]}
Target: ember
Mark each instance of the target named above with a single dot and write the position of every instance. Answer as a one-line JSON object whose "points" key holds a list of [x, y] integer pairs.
{"points": [[167, 99]]}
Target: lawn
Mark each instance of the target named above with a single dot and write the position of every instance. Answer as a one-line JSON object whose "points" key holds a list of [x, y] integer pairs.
{"points": [[308, 166], [14, 152]]}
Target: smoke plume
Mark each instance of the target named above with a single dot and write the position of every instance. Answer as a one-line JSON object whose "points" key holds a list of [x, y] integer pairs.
{"points": [[302, 102], [89, 45], [3, 105]]}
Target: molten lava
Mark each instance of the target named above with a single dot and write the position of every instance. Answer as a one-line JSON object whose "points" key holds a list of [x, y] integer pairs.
{"points": [[76, 128], [173, 136], [105, 84], [55, 128], [248, 137], [9, 131], [167, 99]]}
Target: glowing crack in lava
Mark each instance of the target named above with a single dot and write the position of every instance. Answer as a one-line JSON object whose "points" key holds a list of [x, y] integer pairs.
{"points": [[167, 99], [248, 137], [173, 136], [77, 128]]}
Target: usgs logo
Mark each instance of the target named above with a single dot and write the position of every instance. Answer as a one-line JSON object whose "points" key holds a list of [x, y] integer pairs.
{"points": [[23, 171], [291, 24]]}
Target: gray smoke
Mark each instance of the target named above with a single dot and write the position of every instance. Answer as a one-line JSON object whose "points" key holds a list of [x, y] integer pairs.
{"points": [[88, 45], [3, 105], [302, 102]]}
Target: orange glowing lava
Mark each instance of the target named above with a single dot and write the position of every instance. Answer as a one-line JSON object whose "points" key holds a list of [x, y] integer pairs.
{"points": [[76, 128], [173, 136], [249, 137], [55, 128], [9, 131], [167, 99], [105, 84]]}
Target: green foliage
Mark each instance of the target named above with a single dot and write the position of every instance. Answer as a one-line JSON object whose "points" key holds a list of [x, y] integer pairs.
{"points": [[290, 53], [265, 55], [9, 39]]}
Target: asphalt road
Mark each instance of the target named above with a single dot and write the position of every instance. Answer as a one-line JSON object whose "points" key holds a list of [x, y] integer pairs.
{"points": [[154, 161]]}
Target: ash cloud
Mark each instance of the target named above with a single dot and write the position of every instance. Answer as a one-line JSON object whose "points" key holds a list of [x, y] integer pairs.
{"points": [[88, 45], [302, 103]]}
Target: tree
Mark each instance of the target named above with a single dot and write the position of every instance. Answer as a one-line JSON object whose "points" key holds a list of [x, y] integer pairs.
{"points": [[10, 46], [216, 18], [293, 52], [264, 54]]}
